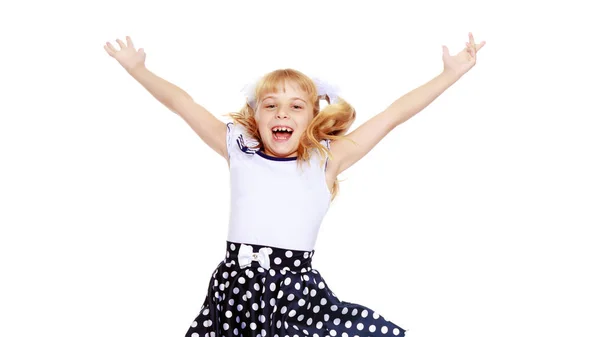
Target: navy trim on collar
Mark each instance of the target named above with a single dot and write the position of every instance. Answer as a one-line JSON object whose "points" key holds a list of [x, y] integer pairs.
{"points": [[266, 156]]}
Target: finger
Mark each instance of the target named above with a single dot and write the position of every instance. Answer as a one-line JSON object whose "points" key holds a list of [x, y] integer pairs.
{"points": [[445, 51], [110, 52], [110, 47], [479, 46], [129, 42], [471, 38], [121, 44], [470, 49]]}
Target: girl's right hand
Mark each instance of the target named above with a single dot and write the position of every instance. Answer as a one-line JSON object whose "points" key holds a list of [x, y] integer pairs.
{"points": [[127, 56]]}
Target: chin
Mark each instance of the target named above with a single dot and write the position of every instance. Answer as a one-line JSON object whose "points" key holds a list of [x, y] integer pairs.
{"points": [[278, 151], [282, 146], [283, 150]]}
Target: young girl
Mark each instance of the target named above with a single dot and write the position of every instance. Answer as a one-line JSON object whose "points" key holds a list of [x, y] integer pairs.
{"points": [[284, 154]]}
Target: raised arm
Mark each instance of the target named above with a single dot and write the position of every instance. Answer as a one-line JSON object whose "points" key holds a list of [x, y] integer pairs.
{"points": [[210, 129], [362, 140]]}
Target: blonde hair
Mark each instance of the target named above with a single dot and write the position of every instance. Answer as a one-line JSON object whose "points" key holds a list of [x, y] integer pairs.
{"points": [[331, 123]]}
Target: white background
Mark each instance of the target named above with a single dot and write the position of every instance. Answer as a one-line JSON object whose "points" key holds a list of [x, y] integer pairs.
{"points": [[477, 217]]}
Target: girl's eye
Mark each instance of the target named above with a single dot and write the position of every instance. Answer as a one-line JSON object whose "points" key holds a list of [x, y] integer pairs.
{"points": [[297, 107], [270, 106]]}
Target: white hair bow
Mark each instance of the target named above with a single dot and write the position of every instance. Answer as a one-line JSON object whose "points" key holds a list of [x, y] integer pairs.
{"points": [[325, 91], [246, 256]]}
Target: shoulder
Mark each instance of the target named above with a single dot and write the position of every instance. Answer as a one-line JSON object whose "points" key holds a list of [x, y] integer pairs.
{"points": [[320, 155], [236, 128], [332, 168], [238, 139]]}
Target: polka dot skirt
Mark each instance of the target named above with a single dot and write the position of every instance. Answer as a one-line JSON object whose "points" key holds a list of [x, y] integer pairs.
{"points": [[261, 291]]}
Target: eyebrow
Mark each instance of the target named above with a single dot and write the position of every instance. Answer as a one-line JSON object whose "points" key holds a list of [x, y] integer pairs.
{"points": [[293, 98]]}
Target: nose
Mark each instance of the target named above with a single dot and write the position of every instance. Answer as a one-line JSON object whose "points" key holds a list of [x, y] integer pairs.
{"points": [[282, 113]]}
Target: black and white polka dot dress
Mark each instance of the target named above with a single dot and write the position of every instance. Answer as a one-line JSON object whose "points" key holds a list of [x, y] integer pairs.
{"points": [[266, 286], [262, 291]]}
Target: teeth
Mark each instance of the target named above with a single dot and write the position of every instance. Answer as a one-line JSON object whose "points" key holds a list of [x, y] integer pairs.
{"points": [[281, 129]]}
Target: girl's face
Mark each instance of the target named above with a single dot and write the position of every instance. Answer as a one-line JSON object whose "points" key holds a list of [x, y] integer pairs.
{"points": [[282, 117]]}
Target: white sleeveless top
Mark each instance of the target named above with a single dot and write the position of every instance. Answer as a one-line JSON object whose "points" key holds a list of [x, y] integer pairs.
{"points": [[274, 202]]}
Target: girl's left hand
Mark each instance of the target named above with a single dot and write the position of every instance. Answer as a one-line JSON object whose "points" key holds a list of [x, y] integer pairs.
{"points": [[462, 62]]}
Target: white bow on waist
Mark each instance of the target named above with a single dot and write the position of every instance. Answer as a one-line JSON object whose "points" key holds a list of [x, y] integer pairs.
{"points": [[246, 255]]}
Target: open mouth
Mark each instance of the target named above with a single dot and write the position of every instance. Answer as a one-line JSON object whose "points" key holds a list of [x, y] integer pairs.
{"points": [[282, 133]]}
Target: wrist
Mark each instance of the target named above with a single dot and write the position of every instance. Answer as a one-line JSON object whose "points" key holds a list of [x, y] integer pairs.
{"points": [[450, 76], [137, 69]]}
